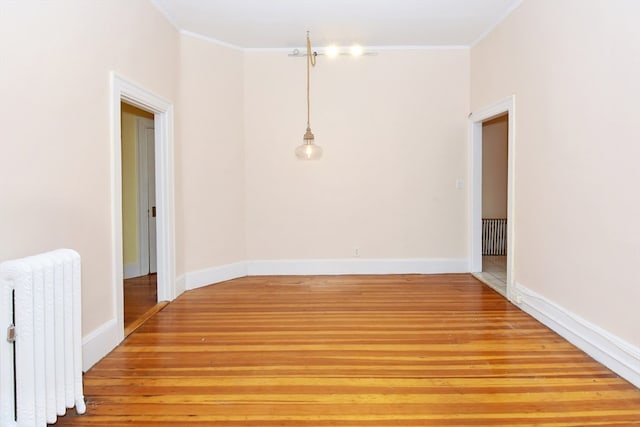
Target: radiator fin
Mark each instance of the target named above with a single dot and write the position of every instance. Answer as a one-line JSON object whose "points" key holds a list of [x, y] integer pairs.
{"points": [[41, 294], [494, 236]]}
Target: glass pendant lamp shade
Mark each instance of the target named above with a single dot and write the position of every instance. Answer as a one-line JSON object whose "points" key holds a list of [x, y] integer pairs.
{"points": [[308, 150]]}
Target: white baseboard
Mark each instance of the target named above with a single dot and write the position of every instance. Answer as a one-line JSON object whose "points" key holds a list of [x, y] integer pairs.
{"points": [[196, 279], [208, 276], [181, 285], [99, 343], [357, 266], [131, 270], [613, 352]]}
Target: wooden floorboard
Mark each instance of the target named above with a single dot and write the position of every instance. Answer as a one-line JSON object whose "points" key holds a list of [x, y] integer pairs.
{"points": [[411, 350], [140, 300], [135, 324]]}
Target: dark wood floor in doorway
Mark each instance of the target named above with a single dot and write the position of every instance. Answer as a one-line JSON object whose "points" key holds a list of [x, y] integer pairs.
{"points": [[413, 350], [140, 301]]}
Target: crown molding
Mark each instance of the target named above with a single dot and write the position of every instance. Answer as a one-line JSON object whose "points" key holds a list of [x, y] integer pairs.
{"points": [[304, 48]]}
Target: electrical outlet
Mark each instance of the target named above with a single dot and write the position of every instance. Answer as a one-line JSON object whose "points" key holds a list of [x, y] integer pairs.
{"points": [[356, 252]]}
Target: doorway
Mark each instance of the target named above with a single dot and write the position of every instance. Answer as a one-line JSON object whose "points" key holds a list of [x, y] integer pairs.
{"points": [[124, 90], [495, 150], [138, 215], [492, 195]]}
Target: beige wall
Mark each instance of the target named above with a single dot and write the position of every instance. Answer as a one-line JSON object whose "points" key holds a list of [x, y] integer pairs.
{"points": [[211, 155], [494, 167], [394, 132], [55, 168], [574, 68]]}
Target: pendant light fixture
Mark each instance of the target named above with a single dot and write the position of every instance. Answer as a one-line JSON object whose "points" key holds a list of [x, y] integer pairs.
{"points": [[309, 150]]}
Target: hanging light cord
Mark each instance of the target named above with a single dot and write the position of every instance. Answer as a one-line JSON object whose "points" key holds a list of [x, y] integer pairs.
{"points": [[311, 59]]}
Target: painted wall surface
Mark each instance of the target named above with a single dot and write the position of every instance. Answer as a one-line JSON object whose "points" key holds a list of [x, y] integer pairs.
{"points": [[494, 167], [394, 132], [574, 68], [211, 156], [55, 167]]}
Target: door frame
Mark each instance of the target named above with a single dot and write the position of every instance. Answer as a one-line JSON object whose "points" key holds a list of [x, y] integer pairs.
{"points": [[123, 89], [506, 105], [144, 250]]}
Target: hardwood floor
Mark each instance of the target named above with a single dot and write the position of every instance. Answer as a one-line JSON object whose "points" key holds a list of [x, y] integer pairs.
{"points": [[413, 350], [140, 301]]}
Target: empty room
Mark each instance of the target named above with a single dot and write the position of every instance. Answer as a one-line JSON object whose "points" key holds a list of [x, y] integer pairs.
{"points": [[319, 213]]}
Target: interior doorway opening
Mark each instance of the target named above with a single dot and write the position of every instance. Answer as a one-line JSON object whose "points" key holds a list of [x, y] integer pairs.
{"points": [[495, 135], [125, 90], [139, 250], [492, 194]]}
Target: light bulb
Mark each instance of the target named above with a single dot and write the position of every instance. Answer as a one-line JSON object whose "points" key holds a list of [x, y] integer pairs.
{"points": [[331, 51], [308, 151], [356, 50]]}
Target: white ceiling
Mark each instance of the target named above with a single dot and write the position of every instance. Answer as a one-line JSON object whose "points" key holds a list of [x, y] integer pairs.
{"points": [[256, 24]]}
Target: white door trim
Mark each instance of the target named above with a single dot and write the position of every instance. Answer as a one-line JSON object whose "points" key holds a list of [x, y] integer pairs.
{"points": [[123, 89], [142, 124], [506, 105]]}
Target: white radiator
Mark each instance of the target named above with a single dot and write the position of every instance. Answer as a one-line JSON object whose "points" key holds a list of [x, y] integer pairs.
{"points": [[41, 370], [494, 236]]}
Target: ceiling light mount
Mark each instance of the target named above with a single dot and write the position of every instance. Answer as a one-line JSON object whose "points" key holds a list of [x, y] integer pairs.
{"points": [[333, 51]]}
